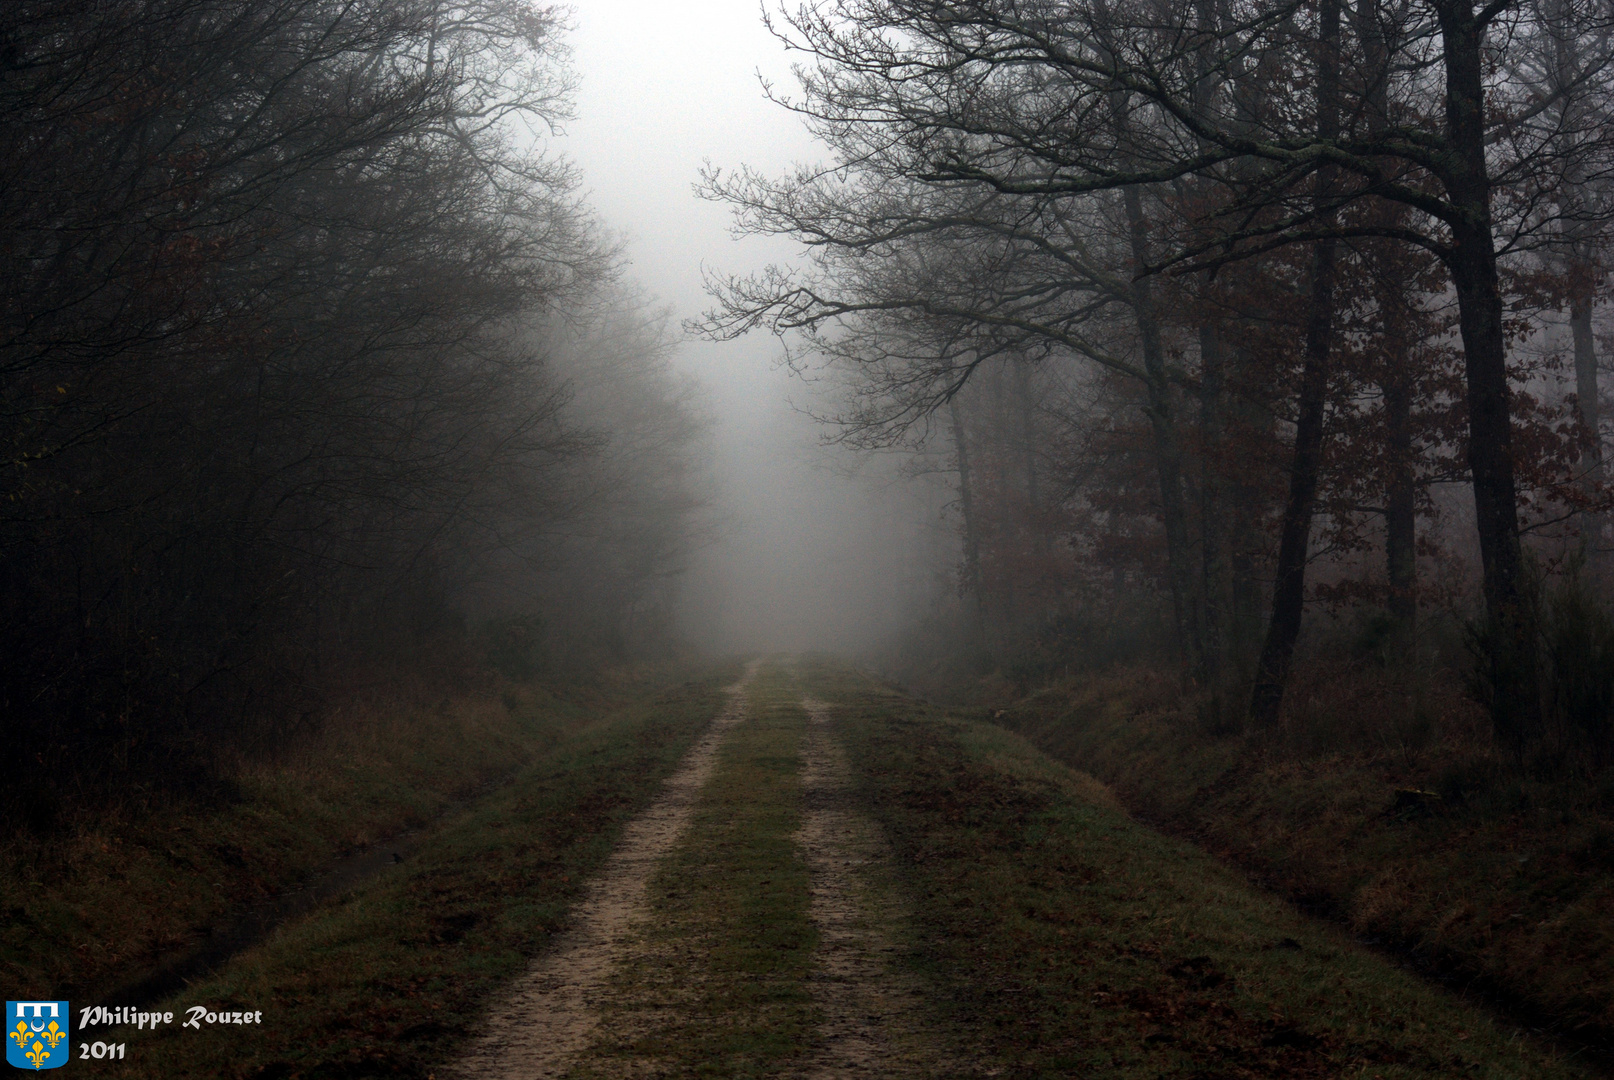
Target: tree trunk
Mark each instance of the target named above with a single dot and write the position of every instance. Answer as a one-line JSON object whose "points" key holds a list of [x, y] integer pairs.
{"points": [[1511, 661], [1595, 470], [1246, 422], [1393, 299], [1289, 586], [972, 536], [1246, 574], [1216, 585], [1026, 417], [1580, 268], [996, 516], [1167, 451], [1586, 389], [1400, 511], [1038, 589]]}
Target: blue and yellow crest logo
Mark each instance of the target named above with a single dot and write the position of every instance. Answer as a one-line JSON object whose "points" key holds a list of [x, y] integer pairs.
{"points": [[36, 1034]]}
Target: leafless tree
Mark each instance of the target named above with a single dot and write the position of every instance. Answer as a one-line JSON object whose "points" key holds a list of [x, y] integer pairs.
{"points": [[1021, 100], [268, 383]]}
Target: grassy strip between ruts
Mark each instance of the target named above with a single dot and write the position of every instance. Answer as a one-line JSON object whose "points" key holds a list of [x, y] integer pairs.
{"points": [[717, 985], [1073, 941], [389, 981]]}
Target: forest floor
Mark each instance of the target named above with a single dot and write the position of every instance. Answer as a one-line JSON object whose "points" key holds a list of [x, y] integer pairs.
{"points": [[810, 875]]}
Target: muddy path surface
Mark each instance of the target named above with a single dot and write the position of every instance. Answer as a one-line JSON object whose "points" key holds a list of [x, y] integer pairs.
{"points": [[551, 1012]]}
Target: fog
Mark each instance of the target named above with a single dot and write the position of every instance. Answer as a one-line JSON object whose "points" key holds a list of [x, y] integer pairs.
{"points": [[811, 549], [374, 354], [475, 456]]}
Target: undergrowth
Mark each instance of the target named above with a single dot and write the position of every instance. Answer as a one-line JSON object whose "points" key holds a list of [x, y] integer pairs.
{"points": [[391, 980], [106, 894], [1068, 940], [1383, 803]]}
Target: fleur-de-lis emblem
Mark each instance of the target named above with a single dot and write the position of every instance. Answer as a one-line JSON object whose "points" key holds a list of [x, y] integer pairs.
{"points": [[53, 1034], [37, 1054], [21, 1034]]}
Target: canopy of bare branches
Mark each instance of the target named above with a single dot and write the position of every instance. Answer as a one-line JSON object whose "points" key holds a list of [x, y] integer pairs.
{"points": [[285, 288], [1317, 251]]}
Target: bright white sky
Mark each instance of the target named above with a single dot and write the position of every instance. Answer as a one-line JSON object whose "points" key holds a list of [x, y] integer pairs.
{"points": [[665, 87], [809, 558]]}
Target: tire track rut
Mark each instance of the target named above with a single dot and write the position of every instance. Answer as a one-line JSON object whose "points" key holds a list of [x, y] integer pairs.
{"points": [[874, 1019], [551, 1012]]}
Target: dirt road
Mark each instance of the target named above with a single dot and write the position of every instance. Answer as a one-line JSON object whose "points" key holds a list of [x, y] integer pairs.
{"points": [[837, 883], [551, 1012]]}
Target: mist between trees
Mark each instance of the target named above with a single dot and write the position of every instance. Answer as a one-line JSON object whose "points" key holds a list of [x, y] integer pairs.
{"points": [[1214, 309], [311, 365]]}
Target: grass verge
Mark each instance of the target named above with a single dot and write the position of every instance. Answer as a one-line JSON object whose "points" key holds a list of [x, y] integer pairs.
{"points": [[97, 903], [1067, 939], [389, 981], [1413, 834], [717, 986]]}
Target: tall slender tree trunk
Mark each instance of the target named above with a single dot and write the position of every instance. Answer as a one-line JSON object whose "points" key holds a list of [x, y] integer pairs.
{"points": [[1215, 568], [1026, 420], [1246, 419], [1167, 450], [1512, 663], [1289, 586], [1400, 509], [1026, 417], [1216, 584], [1566, 69], [1305, 470], [1187, 620], [1595, 470], [1393, 300], [1586, 388], [998, 439], [972, 535], [1513, 669]]}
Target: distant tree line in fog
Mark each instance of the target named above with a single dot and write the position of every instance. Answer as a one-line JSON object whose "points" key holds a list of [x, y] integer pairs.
{"points": [[308, 355], [1215, 301]]}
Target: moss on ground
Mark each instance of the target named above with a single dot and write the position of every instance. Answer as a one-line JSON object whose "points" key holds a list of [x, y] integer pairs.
{"points": [[94, 906]]}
